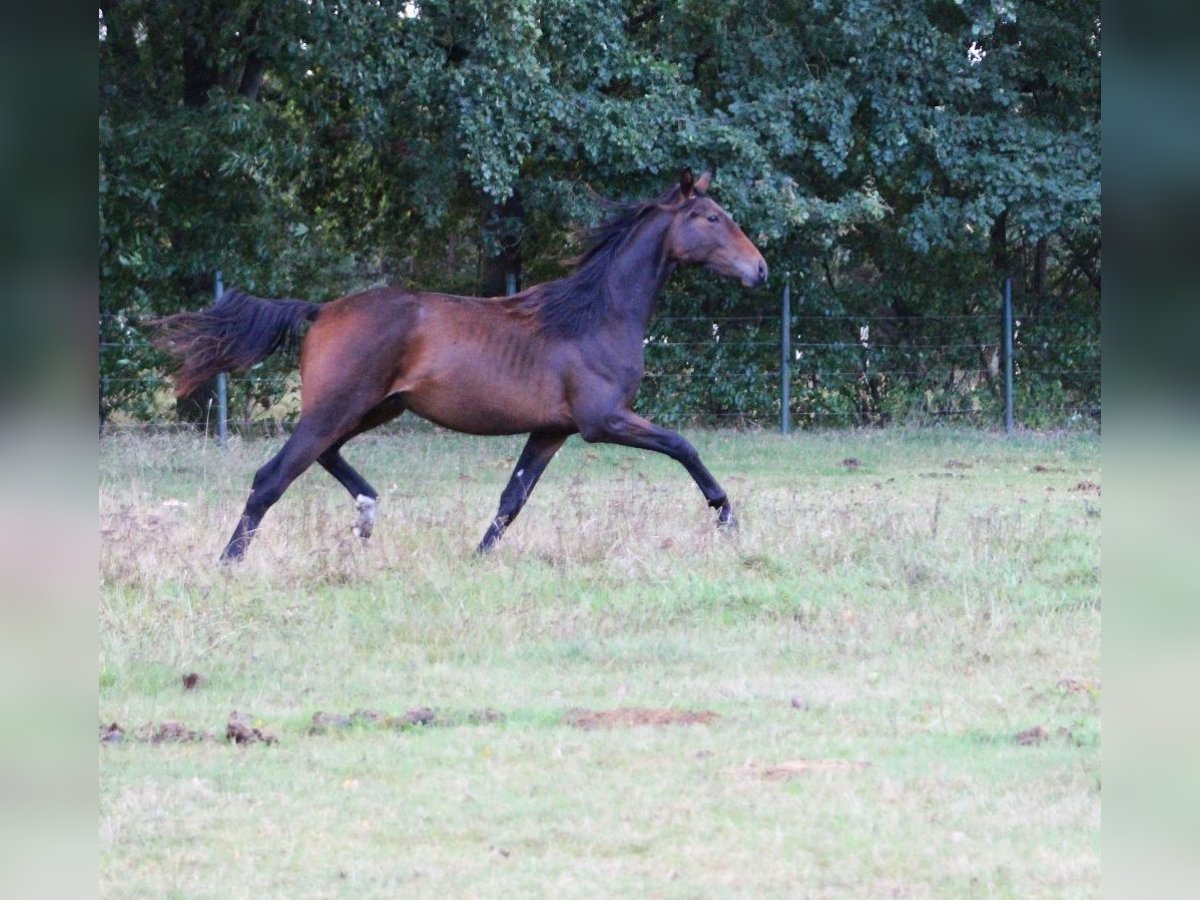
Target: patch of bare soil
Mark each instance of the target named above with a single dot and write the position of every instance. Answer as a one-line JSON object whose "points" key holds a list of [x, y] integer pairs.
{"points": [[421, 715], [166, 732], [793, 768], [1087, 487], [1031, 737], [851, 462], [239, 730], [631, 717], [192, 680], [957, 464], [1044, 468], [172, 732]]}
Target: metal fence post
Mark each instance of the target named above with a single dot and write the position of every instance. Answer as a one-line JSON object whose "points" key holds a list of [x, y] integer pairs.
{"points": [[785, 368], [1008, 356], [222, 380]]}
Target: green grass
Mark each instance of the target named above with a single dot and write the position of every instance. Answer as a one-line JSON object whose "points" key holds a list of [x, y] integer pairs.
{"points": [[923, 607]]}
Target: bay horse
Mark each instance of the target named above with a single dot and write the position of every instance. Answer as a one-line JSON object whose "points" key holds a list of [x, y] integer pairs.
{"points": [[560, 358]]}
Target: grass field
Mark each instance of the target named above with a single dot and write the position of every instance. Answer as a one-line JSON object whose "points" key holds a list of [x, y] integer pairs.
{"points": [[901, 647]]}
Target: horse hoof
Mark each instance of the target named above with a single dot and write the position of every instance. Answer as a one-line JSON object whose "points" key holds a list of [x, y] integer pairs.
{"points": [[726, 520], [365, 524], [487, 545], [492, 537]]}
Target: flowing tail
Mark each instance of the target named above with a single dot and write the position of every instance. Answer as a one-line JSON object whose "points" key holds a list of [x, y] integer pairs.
{"points": [[234, 333]]}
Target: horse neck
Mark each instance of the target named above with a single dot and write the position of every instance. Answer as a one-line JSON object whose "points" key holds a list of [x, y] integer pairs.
{"points": [[636, 276]]}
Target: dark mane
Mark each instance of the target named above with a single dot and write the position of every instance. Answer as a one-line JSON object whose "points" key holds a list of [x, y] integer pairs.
{"points": [[576, 304]]}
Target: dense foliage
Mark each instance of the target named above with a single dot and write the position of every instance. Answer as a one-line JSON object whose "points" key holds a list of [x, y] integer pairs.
{"points": [[895, 162]]}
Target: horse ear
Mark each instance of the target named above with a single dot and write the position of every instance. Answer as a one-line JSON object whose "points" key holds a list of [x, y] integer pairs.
{"points": [[686, 182], [702, 183]]}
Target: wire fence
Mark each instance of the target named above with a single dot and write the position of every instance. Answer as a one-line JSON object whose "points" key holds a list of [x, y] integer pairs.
{"points": [[730, 371]]}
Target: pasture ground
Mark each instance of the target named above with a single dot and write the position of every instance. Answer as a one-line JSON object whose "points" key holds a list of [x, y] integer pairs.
{"points": [[899, 650]]}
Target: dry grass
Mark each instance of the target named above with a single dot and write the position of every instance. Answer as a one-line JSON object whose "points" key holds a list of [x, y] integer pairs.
{"points": [[913, 612]]}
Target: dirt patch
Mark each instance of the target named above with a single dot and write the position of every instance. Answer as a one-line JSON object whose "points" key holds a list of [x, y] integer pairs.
{"points": [[1044, 468], [172, 732], [422, 715], [192, 680], [1032, 737], [793, 768], [957, 464], [851, 463], [166, 732], [240, 731], [631, 717], [1087, 487]]}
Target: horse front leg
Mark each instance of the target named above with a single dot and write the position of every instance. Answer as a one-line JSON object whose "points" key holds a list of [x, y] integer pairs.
{"points": [[631, 430], [539, 450]]}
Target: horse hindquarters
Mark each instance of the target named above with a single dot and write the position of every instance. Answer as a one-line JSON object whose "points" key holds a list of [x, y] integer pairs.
{"points": [[345, 371], [318, 431]]}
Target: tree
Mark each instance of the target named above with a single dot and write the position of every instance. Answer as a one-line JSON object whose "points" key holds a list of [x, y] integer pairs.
{"points": [[898, 161]]}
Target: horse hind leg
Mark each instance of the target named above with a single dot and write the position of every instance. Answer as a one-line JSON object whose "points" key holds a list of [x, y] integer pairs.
{"points": [[314, 435], [301, 451], [366, 498]]}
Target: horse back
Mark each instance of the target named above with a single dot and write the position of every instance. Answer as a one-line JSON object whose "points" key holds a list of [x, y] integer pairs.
{"points": [[476, 365]]}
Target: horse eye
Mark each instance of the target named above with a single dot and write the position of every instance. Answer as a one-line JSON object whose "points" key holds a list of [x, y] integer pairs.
{"points": [[713, 217]]}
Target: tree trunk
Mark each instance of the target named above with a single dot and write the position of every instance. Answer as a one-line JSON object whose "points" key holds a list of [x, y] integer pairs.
{"points": [[1002, 263], [254, 68], [1041, 262], [502, 226], [1001, 259], [199, 54]]}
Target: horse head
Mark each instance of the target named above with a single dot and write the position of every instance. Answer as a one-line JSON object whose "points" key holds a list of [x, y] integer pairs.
{"points": [[702, 233]]}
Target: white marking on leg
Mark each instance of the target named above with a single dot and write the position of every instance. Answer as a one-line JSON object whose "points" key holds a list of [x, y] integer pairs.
{"points": [[366, 507]]}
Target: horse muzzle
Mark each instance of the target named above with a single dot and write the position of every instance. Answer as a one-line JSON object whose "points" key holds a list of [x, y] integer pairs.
{"points": [[754, 275]]}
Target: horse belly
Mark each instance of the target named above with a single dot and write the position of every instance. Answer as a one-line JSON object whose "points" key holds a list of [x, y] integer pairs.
{"points": [[477, 370], [489, 405]]}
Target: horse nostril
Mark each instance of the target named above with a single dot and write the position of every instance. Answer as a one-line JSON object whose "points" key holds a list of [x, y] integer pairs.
{"points": [[762, 271]]}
